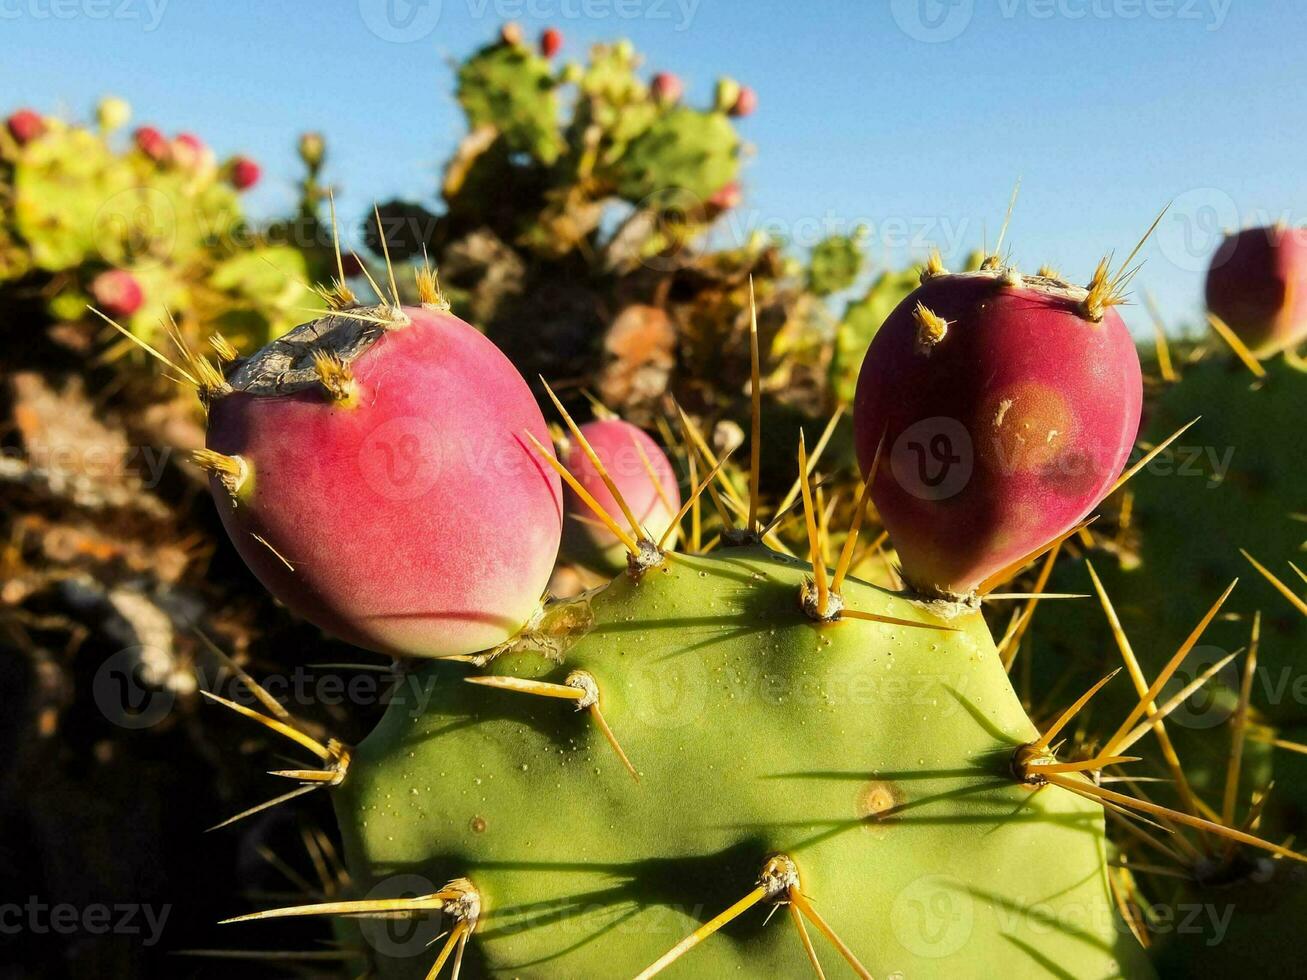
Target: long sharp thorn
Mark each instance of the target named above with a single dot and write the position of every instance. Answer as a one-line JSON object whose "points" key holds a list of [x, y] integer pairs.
{"points": [[824, 928], [1125, 477], [384, 907], [1007, 218], [458, 954], [335, 236], [793, 493], [190, 378], [1013, 644], [1085, 765], [607, 732], [523, 685], [371, 282], [1159, 340], [1239, 724], [281, 728], [1160, 682], [859, 512], [647, 463], [690, 448], [1280, 587], [385, 251], [269, 804], [586, 497], [703, 932], [697, 441], [253, 686], [755, 417], [1043, 741], [696, 511], [999, 577], [305, 775], [815, 549], [1173, 702], [1232, 341], [692, 502], [805, 939], [1125, 276], [455, 939], [895, 621], [636, 531], [1083, 788]]}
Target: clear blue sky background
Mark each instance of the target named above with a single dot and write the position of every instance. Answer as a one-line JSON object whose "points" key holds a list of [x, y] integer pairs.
{"points": [[915, 116]]}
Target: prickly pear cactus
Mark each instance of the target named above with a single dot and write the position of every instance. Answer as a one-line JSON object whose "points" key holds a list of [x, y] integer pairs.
{"points": [[876, 757], [510, 87], [684, 149]]}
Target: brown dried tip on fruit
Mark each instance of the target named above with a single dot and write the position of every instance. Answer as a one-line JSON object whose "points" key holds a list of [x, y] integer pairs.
{"points": [[931, 329], [231, 471], [934, 266], [336, 377], [429, 292], [223, 348]]}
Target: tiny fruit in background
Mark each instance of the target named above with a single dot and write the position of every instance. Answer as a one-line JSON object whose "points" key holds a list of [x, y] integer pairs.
{"points": [[117, 292], [25, 126], [1257, 284]]}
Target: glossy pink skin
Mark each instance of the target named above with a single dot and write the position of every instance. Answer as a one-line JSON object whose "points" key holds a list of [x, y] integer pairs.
{"points": [[244, 173], [1037, 465], [666, 87], [25, 126], [151, 142], [117, 293], [1257, 284], [421, 522], [745, 103], [614, 442]]}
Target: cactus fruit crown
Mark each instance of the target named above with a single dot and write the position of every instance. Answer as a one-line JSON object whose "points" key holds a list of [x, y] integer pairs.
{"points": [[798, 738]]}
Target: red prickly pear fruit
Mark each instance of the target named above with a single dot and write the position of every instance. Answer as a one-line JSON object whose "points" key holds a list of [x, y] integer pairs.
{"points": [[379, 480], [151, 142], [666, 88], [726, 197], [1257, 283], [244, 173], [1006, 412], [117, 292], [745, 102], [25, 126], [511, 34], [619, 446], [551, 41]]}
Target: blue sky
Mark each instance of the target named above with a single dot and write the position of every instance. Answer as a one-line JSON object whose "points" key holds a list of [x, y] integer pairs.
{"points": [[913, 116]]}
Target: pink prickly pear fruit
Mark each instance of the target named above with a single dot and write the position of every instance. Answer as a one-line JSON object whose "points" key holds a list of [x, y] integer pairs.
{"points": [[151, 142], [188, 150], [1257, 283], [117, 292], [745, 102], [1007, 409], [551, 41], [244, 173], [630, 457], [379, 479], [25, 126], [666, 88]]}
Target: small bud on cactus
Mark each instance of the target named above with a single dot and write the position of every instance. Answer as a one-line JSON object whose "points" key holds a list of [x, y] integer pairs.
{"points": [[188, 151], [633, 461], [727, 94], [511, 34], [666, 88], [312, 149], [117, 293], [1257, 284], [745, 102], [728, 196], [113, 113], [374, 496], [1006, 414], [25, 126], [244, 173], [551, 41], [151, 142]]}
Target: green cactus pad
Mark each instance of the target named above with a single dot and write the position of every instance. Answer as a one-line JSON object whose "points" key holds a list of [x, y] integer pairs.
{"points": [[694, 152], [876, 756], [512, 88]]}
